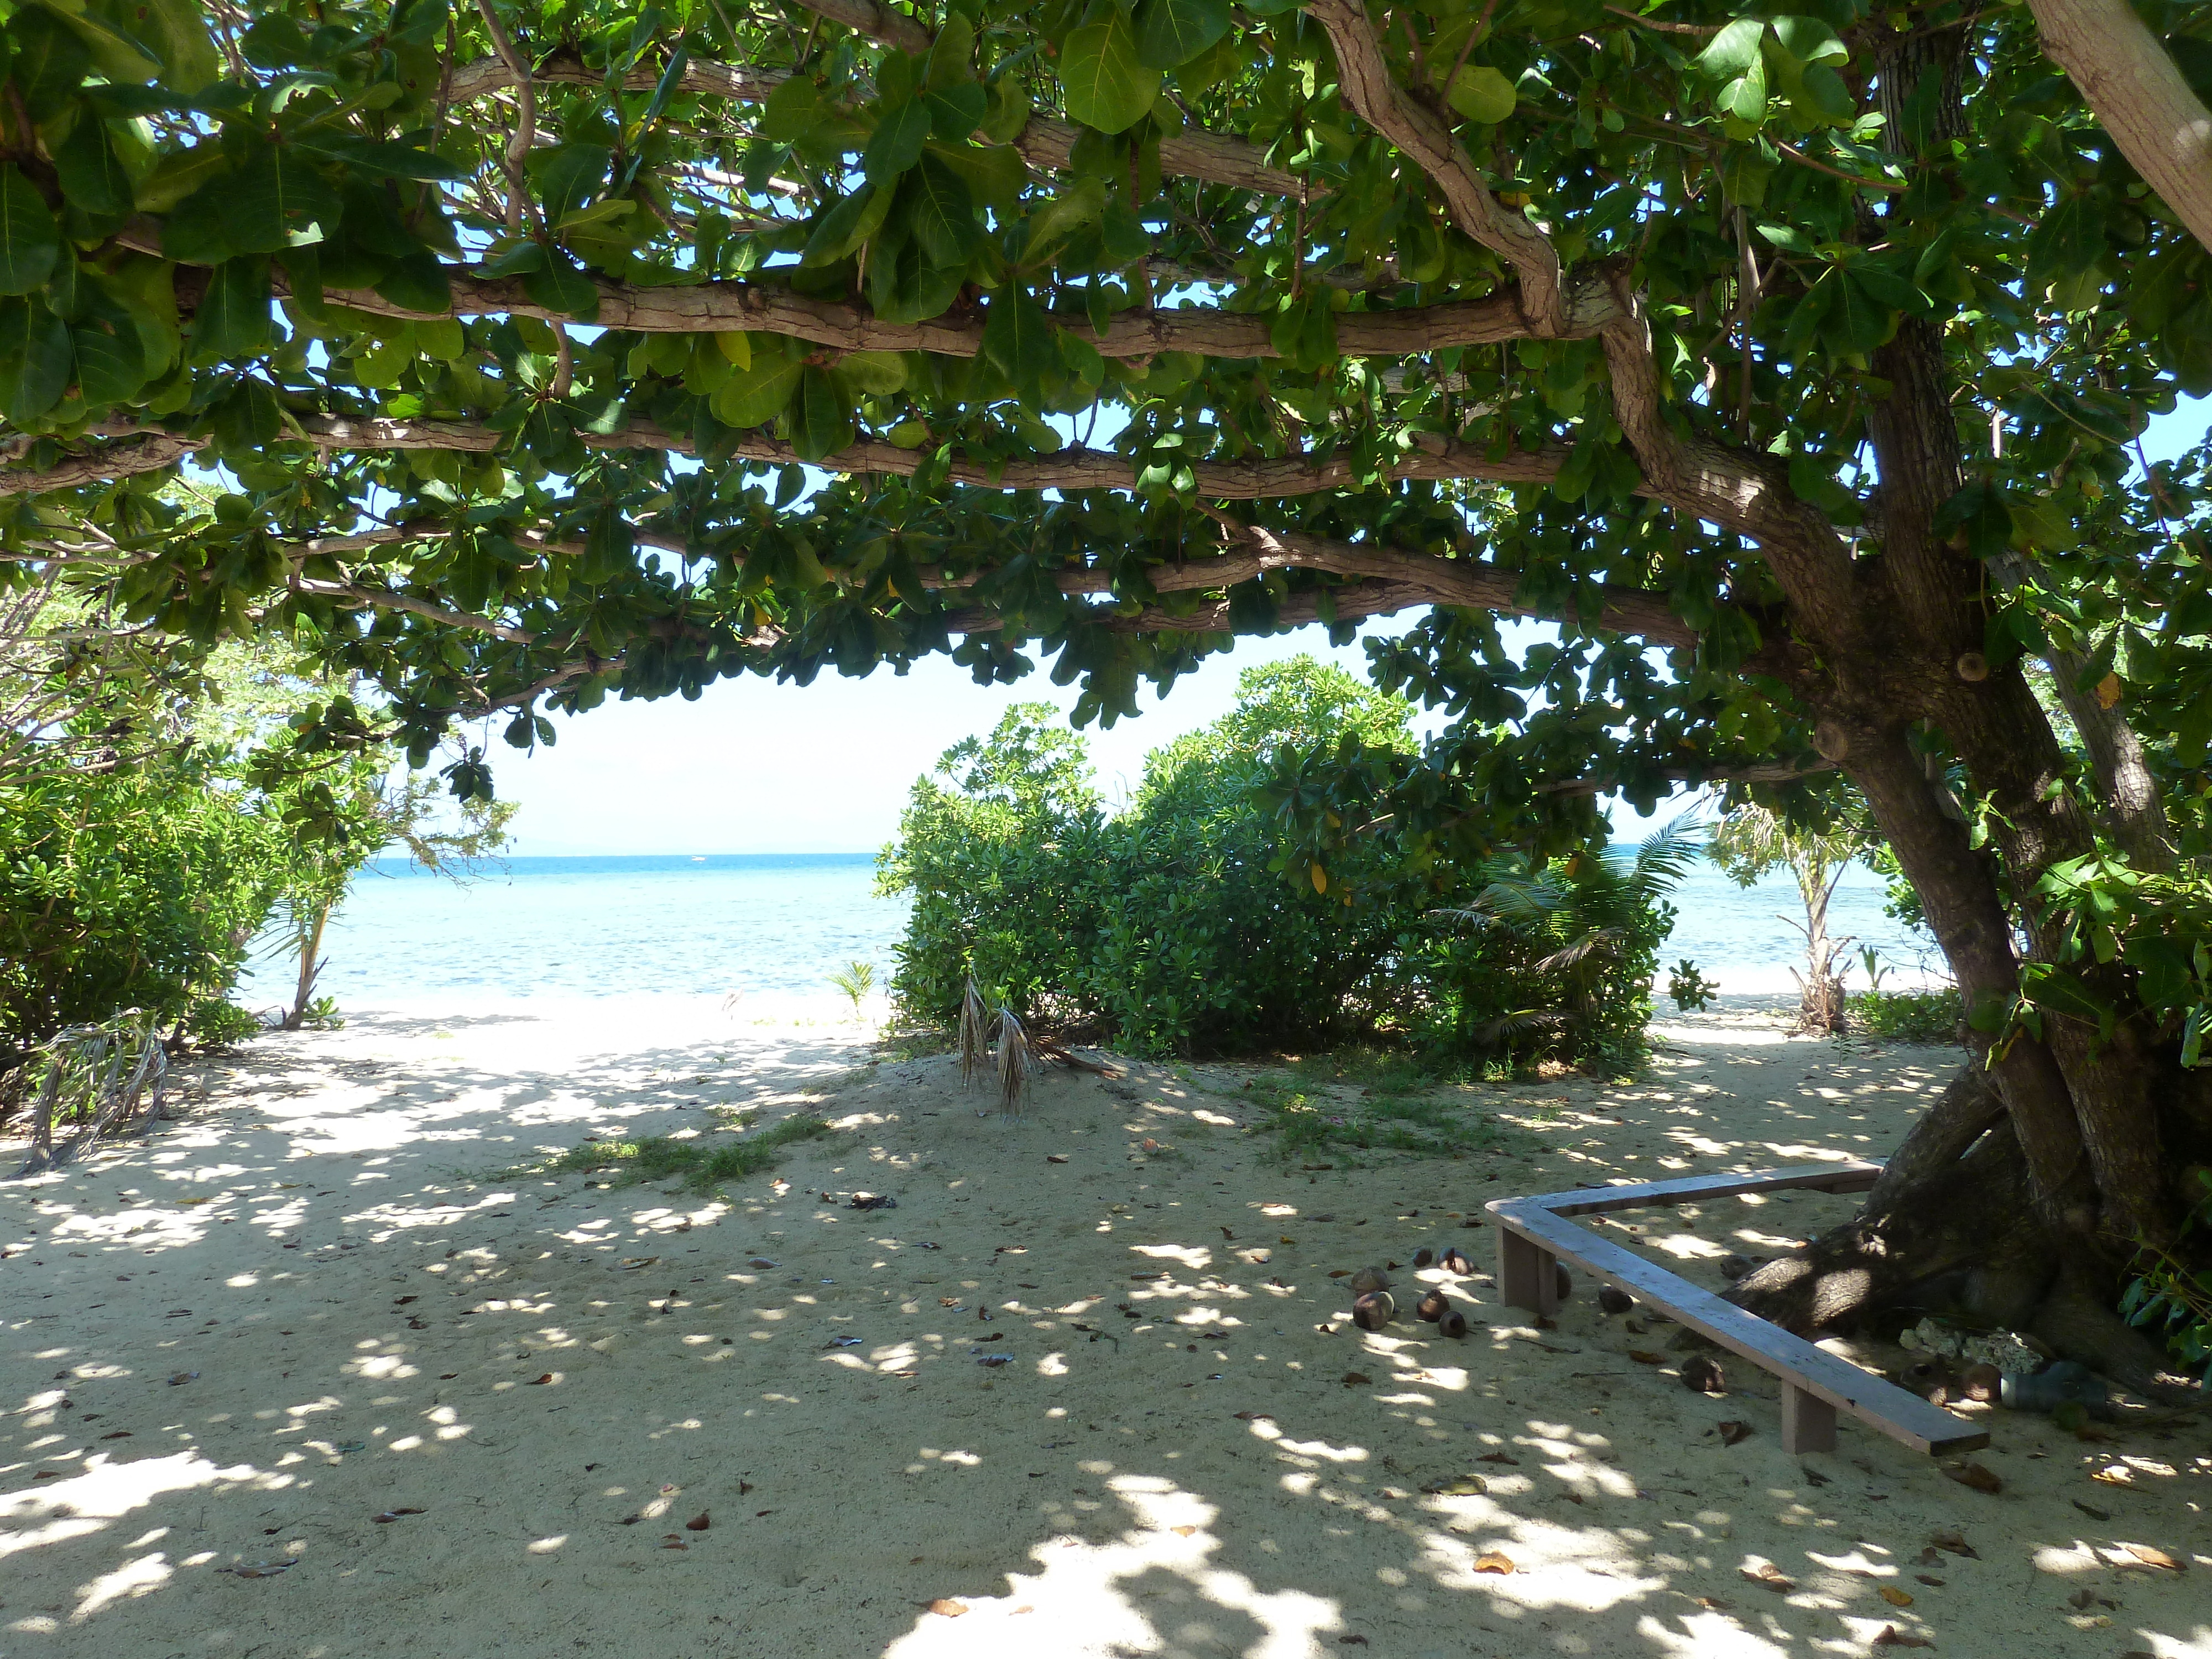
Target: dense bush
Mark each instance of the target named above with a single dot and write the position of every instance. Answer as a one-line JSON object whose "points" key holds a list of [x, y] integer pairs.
{"points": [[139, 887], [1171, 926], [1930, 1016]]}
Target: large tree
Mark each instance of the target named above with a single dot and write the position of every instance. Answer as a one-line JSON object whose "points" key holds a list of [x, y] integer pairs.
{"points": [[1791, 363]]}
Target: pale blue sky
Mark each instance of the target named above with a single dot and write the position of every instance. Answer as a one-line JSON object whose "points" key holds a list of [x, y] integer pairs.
{"points": [[754, 767]]}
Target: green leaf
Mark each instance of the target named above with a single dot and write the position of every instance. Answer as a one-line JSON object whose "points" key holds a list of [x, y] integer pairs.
{"points": [[114, 53], [1809, 41], [1108, 86], [92, 179], [792, 110], [1733, 51], [1744, 97], [30, 240], [1822, 98], [757, 395], [819, 421], [51, 60], [1079, 203], [561, 285], [1482, 94], [1788, 238], [379, 160], [995, 174], [37, 358], [174, 31], [1170, 32], [896, 144], [232, 320], [876, 373], [249, 420], [850, 222], [568, 176], [939, 214], [1018, 336], [111, 362], [955, 110], [416, 280], [277, 199]]}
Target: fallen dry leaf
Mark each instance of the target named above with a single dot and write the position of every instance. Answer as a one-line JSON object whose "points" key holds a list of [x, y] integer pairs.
{"points": [[1981, 1479], [1353, 1640], [673, 1540], [2153, 1557], [1335, 1272], [1711, 1603], [632, 1263], [392, 1514], [1892, 1637], [1182, 1532], [1928, 1578], [1733, 1432], [1465, 1485], [260, 1569], [1357, 1379], [1956, 1543], [1894, 1596], [117, 1434], [1645, 1356], [1254, 1417], [945, 1607], [1055, 1158], [1492, 1561], [1767, 1576], [698, 1522], [539, 1381], [1498, 1457]]}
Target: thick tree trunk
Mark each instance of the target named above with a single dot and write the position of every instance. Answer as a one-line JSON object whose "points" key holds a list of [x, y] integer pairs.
{"points": [[2018, 1198]]}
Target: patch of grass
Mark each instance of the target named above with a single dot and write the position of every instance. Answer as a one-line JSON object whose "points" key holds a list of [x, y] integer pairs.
{"points": [[1910, 1016], [1394, 1120], [697, 1163]]}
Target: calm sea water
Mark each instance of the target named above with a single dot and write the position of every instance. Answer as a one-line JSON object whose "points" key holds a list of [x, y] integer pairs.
{"points": [[781, 923]]}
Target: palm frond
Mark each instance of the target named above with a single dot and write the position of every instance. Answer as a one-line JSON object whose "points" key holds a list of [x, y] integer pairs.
{"points": [[1596, 938], [1669, 853], [973, 1043], [1519, 1023], [1015, 1064]]}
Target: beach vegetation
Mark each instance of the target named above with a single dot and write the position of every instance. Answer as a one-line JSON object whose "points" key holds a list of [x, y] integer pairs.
{"points": [[1751, 840], [1793, 371], [697, 1161], [1172, 926], [1934, 1014]]}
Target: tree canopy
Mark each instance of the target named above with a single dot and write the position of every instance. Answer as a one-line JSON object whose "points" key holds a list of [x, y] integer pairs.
{"points": [[1792, 361]]}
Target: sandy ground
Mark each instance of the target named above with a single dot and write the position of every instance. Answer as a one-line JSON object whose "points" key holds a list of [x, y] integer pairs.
{"points": [[298, 1326]]}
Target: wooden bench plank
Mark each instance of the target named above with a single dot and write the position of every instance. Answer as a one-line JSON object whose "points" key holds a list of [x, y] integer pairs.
{"points": [[1597, 1200], [1804, 1370]]}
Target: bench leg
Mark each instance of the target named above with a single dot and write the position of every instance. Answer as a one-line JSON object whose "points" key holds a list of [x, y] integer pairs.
{"points": [[1808, 1422], [1527, 1275]]}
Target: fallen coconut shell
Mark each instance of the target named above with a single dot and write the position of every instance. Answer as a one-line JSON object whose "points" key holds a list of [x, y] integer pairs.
{"points": [[1702, 1373], [1424, 1257], [1432, 1306], [1566, 1280], [1982, 1382], [1369, 1278], [1613, 1299], [1456, 1261], [1372, 1311], [1453, 1324]]}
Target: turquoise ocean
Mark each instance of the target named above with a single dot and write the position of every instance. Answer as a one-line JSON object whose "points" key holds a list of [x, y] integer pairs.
{"points": [[776, 925]]}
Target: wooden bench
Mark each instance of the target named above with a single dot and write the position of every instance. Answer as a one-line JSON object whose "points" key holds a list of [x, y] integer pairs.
{"points": [[1535, 1234]]}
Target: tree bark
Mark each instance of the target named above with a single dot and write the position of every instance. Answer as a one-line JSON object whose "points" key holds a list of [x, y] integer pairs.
{"points": [[2129, 79]]}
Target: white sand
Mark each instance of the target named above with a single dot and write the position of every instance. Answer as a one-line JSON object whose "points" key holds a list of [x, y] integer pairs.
{"points": [[356, 1325]]}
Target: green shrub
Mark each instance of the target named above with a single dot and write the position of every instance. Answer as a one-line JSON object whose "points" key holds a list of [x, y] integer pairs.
{"points": [[139, 888], [1910, 1016], [1171, 927], [697, 1163], [2166, 1296]]}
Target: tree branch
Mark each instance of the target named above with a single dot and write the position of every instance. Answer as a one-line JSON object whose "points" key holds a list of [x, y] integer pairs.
{"points": [[1425, 138], [2127, 76], [1075, 468]]}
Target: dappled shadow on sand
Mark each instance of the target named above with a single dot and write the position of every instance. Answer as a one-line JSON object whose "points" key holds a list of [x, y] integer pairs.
{"points": [[279, 1379]]}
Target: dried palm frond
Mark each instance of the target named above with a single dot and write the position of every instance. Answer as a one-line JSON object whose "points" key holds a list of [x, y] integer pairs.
{"points": [[92, 1079], [1521, 1022], [1015, 1064], [973, 1019]]}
